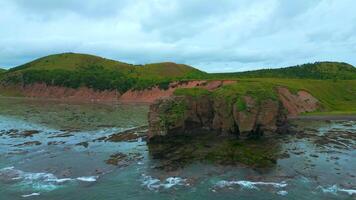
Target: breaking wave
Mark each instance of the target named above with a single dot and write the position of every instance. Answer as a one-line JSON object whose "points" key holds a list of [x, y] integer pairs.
{"points": [[38, 181], [250, 184], [30, 195], [155, 184], [335, 189]]}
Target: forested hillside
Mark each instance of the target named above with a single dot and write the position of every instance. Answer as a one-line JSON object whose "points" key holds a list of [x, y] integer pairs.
{"points": [[76, 70], [318, 70]]}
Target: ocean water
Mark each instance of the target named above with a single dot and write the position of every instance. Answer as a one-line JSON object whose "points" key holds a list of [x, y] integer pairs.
{"points": [[63, 159]]}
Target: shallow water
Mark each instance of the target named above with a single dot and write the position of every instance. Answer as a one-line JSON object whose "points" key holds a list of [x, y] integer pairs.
{"points": [[317, 163]]}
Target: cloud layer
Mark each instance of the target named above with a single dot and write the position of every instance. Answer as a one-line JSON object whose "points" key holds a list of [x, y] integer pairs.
{"points": [[229, 35]]}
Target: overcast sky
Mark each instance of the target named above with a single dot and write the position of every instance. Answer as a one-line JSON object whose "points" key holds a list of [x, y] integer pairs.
{"points": [[212, 35]]}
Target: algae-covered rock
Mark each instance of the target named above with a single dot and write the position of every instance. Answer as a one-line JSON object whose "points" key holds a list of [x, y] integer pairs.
{"points": [[167, 115], [244, 117]]}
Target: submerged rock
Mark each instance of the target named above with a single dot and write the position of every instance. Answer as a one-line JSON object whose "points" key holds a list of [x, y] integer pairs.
{"points": [[14, 133], [123, 160], [30, 143], [174, 152], [129, 135], [84, 144]]}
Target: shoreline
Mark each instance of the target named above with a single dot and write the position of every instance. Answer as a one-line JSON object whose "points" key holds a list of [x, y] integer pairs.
{"points": [[74, 101], [321, 116], [325, 117]]}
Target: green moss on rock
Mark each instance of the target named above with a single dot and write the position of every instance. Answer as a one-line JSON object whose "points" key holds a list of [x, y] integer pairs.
{"points": [[173, 113], [241, 104]]}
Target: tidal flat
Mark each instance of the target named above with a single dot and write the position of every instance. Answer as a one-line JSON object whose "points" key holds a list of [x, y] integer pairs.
{"points": [[57, 150]]}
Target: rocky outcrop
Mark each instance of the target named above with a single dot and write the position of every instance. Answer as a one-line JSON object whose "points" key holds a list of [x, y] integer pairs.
{"points": [[297, 103], [244, 117], [188, 115]]}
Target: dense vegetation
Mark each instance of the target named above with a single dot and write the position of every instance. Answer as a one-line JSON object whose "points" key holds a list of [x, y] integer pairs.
{"points": [[2, 71], [76, 70], [318, 70]]}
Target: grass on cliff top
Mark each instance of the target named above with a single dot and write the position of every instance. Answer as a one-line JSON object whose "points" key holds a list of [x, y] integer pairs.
{"points": [[335, 96]]}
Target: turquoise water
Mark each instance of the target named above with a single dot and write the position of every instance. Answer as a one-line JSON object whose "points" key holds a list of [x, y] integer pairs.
{"points": [[318, 163]]}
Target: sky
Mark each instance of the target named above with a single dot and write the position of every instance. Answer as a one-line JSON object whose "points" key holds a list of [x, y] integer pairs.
{"points": [[214, 36]]}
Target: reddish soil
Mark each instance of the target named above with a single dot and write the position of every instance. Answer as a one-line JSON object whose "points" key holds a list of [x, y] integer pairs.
{"points": [[297, 103], [150, 95], [41, 90]]}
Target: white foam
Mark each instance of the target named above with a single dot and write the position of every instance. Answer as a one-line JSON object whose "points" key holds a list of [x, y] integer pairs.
{"points": [[40, 181], [87, 178], [154, 183], [334, 189], [250, 184], [282, 193], [30, 195], [62, 180]]}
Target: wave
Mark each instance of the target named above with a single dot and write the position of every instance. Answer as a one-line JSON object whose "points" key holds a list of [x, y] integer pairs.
{"points": [[87, 178], [30, 195], [334, 189], [39, 181], [155, 184], [250, 184], [282, 193]]}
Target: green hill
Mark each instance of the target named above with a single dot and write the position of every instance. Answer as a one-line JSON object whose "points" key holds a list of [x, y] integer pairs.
{"points": [[2, 71], [318, 70], [334, 83], [75, 70]]}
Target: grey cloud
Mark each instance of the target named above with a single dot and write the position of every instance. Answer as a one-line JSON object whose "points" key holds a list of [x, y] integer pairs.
{"points": [[54, 8], [231, 35]]}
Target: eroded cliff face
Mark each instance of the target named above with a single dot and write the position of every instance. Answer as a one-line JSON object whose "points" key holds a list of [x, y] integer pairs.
{"points": [[152, 94], [189, 115], [41, 90], [297, 103]]}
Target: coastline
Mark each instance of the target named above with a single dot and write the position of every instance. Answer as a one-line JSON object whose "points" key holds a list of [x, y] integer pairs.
{"points": [[325, 117], [79, 101]]}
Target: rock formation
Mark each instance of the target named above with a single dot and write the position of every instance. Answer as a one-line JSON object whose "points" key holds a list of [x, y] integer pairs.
{"points": [[189, 115]]}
